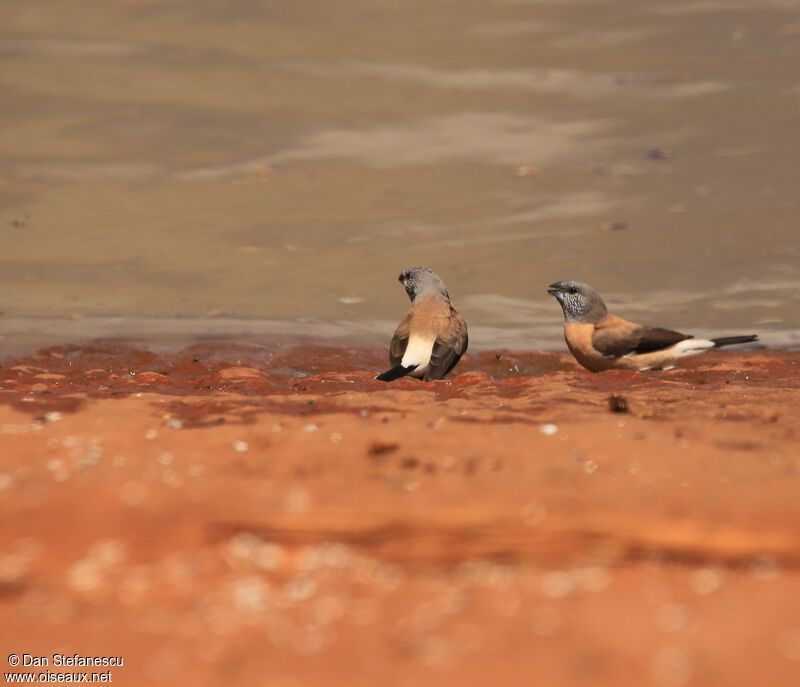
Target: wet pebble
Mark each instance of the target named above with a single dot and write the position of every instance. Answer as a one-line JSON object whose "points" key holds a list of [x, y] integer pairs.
{"points": [[234, 373], [618, 225], [617, 403], [150, 377], [352, 300], [659, 153], [590, 466]]}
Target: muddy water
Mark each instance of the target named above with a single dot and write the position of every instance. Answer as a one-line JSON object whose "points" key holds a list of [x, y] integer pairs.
{"points": [[276, 164]]}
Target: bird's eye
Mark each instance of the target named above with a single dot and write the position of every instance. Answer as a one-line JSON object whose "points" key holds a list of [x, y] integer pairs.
{"points": [[572, 289]]}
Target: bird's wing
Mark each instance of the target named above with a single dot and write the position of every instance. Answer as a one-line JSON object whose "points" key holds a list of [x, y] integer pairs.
{"points": [[616, 337], [399, 343], [448, 347]]}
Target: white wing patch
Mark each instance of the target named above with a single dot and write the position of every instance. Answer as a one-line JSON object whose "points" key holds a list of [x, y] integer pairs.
{"points": [[418, 352]]}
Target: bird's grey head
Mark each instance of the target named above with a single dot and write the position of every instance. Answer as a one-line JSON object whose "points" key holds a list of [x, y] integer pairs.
{"points": [[419, 280], [579, 301]]}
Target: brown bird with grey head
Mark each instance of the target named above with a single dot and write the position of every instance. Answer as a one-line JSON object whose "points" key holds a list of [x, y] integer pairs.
{"points": [[432, 338], [602, 341]]}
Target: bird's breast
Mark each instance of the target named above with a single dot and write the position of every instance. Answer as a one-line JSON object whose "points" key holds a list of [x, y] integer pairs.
{"points": [[578, 336]]}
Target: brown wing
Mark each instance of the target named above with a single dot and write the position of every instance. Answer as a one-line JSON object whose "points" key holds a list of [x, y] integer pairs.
{"points": [[617, 337], [448, 348], [399, 343]]}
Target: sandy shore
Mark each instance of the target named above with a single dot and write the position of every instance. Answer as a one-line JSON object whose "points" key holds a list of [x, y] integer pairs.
{"points": [[238, 515]]}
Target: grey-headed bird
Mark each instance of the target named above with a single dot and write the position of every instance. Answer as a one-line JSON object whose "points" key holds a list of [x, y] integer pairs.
{"points": [[432, 338], [602, 341]]}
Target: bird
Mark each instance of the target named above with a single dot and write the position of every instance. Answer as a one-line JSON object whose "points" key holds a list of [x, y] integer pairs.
{"points": [[431, 339], [602, 341]]}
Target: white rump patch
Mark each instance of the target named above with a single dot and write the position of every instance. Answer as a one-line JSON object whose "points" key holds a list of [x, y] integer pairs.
{"points": [[418, 352], [689, 347]]}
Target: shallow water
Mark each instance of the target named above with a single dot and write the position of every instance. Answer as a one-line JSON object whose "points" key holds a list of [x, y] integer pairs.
{"points": [[277, 164]]}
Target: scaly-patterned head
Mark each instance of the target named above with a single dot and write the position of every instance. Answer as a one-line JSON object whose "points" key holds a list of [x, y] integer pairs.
{"points": [[579, 301], [419, 280]]}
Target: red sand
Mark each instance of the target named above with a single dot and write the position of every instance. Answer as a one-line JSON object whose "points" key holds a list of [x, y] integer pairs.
{"points": [[238, 515]]}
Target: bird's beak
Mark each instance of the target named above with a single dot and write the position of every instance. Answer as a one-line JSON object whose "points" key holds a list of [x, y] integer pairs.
{"points": [[555, 290]]}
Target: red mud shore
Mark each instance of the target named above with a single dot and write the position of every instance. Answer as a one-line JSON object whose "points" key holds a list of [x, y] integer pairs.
{"points": [[231, 515]]}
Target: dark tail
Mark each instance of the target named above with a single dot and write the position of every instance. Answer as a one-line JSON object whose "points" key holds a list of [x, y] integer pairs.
{"points": [[728, 340], [395, 373]]}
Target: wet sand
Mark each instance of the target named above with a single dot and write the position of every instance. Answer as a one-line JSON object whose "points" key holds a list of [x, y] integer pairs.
{"points": [[233, 513], [287, 160]]}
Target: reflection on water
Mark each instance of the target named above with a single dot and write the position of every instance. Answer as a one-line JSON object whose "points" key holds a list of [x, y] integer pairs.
{"points": [[280, 163]]}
